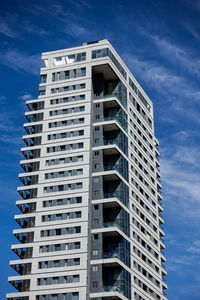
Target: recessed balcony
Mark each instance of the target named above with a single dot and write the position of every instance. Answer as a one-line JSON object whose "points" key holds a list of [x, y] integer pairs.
{"points": [[31, 117], [113, 161], [114, 281], [35, 105], [30, 142], [28, 193], [116, 247], [23, 253], [30, 154], [106, 82], [114, 216], [29, 180], [27, 207], [33, 129], [113, 187], [21, 285], [110, 111], [22, 269], [30, 167], [26, 222], [25, 237], [115, 137]]}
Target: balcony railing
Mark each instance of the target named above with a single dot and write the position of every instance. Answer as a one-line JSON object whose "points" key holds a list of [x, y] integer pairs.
{"points": [[113, 224], [107, 96], [122, 121], [117, 286], [121, 196]]}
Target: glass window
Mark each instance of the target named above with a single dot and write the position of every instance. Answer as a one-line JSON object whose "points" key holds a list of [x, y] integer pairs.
{"points": [[56, 263], [76, 261], [75, 278], [75, 296], [78, 214], [95, 284], [95, 252], [55, 280], [60, 202], [79, 185], [57, 247], [44, 78], [77, 245], [59, 217], [78, 229], [96, 179], [83, 71], [95, 268]]}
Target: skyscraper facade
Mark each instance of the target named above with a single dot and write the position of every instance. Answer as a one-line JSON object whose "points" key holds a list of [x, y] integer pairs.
{"points": [[90, 226]]}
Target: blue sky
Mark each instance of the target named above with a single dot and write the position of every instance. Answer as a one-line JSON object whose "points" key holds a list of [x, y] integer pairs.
{"points": [[160, 42]]}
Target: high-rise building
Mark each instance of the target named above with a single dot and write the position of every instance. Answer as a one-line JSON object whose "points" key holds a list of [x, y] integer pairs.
{"points": [[91, 214]]}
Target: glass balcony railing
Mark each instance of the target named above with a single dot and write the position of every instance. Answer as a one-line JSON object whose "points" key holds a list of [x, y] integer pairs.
{"points": [[96, 97], [121, 255], [117, 117], [120, 167], [121, 223], [117, 286], [117, 142], [113, 224]]}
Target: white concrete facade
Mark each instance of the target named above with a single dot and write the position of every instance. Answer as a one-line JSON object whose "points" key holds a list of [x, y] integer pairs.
{"points": [[91, 184]]}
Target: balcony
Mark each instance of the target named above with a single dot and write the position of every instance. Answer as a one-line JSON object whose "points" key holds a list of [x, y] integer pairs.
{"points": [[30, 154], [116, 279], [116, 247], [35, 105], [25, 237], [30, 167], [30, 142], [107, 83], [28, 193], [113, 187], [21, 285], [34, 117], [29, 180], [115, 137], [18, 298], [112, 161], [115, 216], [33, 129], [111, 111], [117, 286], [26, 222], [23, 253], [27, 207], [22, 269]]}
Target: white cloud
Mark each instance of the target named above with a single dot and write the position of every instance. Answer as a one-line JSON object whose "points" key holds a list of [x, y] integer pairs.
{"points": [[178, 55], [19, 61], [181, 177], [190, 28], [6, 30], [195, 248], [162, 79], [25, 97]]}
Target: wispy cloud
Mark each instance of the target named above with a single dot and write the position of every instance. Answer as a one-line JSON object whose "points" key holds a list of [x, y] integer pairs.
{"points": [[180, 56], [81, 3], [7, 30], [20, 61], [181, 177], [161, 78], [29, 27], [25, 97], [191, 29], [195, 248]]}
